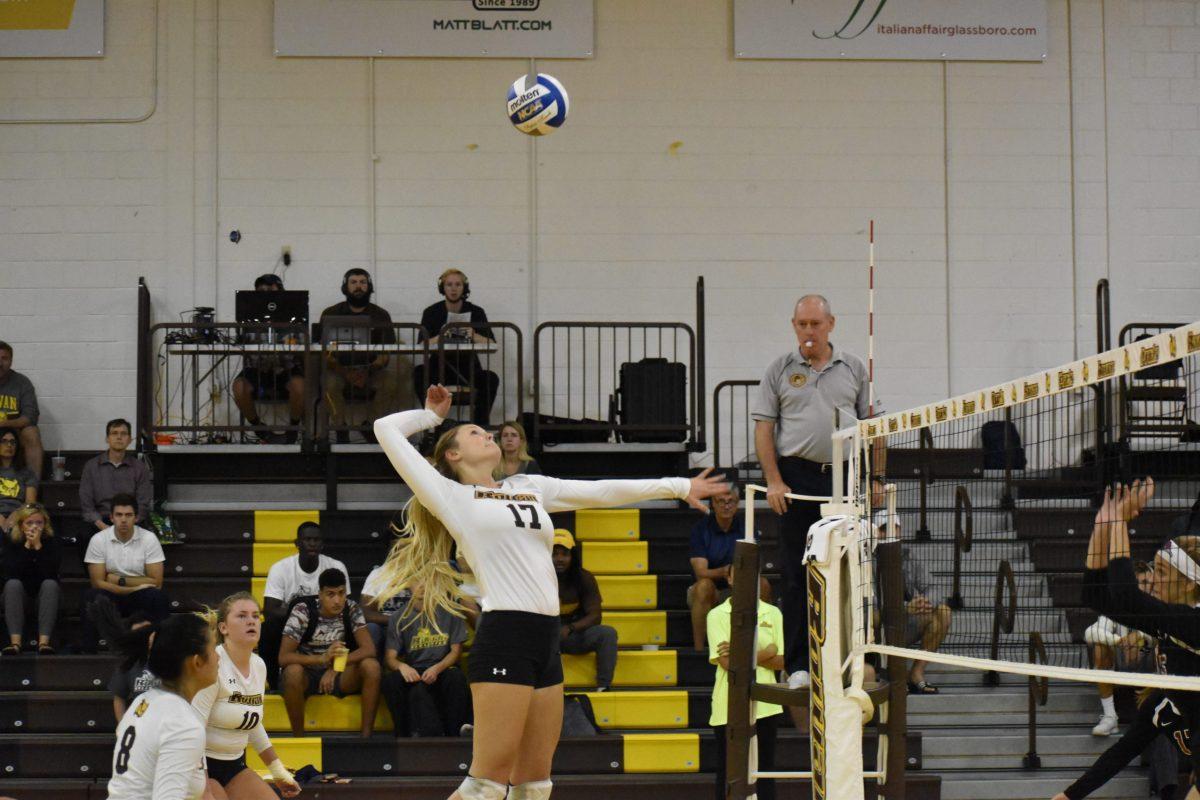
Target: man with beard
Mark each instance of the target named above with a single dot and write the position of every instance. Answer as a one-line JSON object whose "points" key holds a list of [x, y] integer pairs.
{"points": [[461, 369], [361, 377]]}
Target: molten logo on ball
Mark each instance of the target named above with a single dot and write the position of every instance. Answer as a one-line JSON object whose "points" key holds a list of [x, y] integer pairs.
{"points": [[537, 109]]}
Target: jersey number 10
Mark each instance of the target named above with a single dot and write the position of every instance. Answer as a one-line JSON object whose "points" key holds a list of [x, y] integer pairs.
{"points": [[249, 720]]}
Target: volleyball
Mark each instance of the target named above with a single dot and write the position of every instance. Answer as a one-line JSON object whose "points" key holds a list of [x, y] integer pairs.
{"points": [[540, 109]]}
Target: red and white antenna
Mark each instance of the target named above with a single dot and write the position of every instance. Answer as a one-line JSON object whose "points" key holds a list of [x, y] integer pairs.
{"points": [[871, 322]]}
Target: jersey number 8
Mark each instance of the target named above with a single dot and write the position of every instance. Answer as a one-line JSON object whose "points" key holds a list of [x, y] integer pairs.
{"points": [[127, 740]]}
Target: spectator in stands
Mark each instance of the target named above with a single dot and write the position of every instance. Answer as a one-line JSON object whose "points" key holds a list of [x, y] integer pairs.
{"points": [[711, 554], [580, 609], [362, 377], [316, 656], [288, 581], [793, 427], [115, 471], [18, 484], [131, 677], [31, 561], [269, 377], [769, 660], [124, 563], [1116, 647], [377, 614], [461, 369], [425, 690], [514, 452], [928, 613], [19, 409]]}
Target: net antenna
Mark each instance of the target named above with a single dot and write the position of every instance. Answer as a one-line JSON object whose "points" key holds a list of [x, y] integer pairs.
{"points": [[871, 320]]}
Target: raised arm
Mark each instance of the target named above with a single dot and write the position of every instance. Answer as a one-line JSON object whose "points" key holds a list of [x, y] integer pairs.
{"points": [[564, 495], [432, 488]]}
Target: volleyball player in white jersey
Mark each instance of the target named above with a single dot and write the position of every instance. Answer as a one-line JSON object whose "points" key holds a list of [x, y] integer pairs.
{"points": [[160, 740], [233, 708], [504, 530]]}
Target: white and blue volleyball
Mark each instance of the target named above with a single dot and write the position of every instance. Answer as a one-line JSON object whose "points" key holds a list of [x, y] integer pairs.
{"points": [[540, 109]]}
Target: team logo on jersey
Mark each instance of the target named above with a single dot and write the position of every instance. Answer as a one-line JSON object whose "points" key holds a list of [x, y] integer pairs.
{"points": [[237, 698], [485, 494], [798, 379], [142, 708]]}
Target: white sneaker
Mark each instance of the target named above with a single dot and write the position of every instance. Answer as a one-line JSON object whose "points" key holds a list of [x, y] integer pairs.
{"points": [[1107, 726], [798, 679]]}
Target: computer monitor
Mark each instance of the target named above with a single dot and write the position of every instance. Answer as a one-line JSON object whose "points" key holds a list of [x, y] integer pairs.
{"points": [[278, 307]]}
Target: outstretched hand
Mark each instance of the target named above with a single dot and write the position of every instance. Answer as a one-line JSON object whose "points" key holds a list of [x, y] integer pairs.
{"points": [[437, 400], [704, 487]]}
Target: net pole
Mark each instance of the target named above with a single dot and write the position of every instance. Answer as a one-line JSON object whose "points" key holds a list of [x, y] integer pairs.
{"points": [[871, 321]]}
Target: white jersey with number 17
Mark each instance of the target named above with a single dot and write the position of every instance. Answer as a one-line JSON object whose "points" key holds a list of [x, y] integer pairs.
{"points": [[505, 531], [160, 750]]}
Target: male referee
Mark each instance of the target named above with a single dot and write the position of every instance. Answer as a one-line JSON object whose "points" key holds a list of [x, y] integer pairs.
{"points": [[793, 425]]}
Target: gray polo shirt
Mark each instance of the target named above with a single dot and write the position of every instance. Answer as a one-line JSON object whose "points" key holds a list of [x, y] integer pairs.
{"points": [[801, 400]]}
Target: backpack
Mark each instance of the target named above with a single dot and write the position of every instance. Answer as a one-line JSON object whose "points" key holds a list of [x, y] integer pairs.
{"points": [[314, 614], [578, 717], [993, 434]]}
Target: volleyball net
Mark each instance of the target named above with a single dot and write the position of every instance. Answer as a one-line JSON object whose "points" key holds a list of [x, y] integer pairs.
{"points": [[960, 532]]}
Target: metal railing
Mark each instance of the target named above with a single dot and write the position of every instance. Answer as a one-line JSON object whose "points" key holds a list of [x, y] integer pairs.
{"points": [[1004, 617], [635, 381], [1153, 401], [964, 529], [728, 449], [145, 361], [483, 364], [1039, 693], [925, 465]]}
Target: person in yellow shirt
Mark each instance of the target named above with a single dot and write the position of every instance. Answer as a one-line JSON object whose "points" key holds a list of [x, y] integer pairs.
{"points": [[769, 659]]}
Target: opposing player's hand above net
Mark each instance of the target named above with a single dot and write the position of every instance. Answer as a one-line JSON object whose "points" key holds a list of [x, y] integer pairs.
{"points": [[703, 487]]}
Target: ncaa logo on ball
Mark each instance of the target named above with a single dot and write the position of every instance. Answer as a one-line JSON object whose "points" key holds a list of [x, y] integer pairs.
{"points": [[537, 108]]}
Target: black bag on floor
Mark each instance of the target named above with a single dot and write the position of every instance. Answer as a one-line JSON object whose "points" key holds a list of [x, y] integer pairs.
{"points": [[993, 434], [578, 717], [653, 391]]}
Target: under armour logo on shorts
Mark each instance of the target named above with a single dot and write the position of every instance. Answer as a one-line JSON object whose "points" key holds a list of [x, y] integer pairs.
{"points": [[498, 671]]}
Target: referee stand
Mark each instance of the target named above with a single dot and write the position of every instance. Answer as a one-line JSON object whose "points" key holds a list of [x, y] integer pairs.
{"points": [[885, 700]]}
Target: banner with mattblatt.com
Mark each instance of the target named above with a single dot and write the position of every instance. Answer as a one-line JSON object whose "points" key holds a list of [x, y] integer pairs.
{"points": [[951, 30]]}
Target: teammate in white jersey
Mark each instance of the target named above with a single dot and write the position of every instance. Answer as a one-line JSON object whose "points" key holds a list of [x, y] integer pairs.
{"points": [[160, 740], [233, 708], [504, 530]]}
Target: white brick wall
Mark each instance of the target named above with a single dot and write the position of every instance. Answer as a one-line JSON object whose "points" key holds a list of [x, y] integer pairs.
{"points": [[678, 161]]}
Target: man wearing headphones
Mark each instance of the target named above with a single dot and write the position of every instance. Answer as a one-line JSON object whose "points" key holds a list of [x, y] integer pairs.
{"points": [[461, 369], [270, 377], [362, 378]]}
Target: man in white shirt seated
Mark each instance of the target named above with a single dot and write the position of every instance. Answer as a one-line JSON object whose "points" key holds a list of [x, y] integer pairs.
{"points": [[289, 580], [125, 563]]}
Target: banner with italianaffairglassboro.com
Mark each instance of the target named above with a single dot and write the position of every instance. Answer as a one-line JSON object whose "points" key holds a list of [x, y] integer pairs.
{"points": [[950, 30], [1164, 348], [436, 28], [51, 28]]}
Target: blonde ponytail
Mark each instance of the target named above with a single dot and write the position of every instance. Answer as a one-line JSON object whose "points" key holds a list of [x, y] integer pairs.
{"points": [[421, 552]]}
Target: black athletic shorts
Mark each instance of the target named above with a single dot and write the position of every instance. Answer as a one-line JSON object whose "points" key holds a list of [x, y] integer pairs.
{"points": [[223, 771], [516, 647]]}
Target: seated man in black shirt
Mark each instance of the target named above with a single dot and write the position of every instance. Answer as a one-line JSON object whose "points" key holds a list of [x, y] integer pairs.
{"points": [[461, 369], [368, 378], [269, 377]]}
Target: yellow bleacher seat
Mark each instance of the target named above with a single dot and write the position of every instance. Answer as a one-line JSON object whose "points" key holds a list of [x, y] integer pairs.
{"points": [[628, 591], [652, 709], [266, 554], [615, 558], [323, 713], [662, 752], [634, 668], [294, 753], [257, 587], [616, 524], [280, 526], [638, 627]]}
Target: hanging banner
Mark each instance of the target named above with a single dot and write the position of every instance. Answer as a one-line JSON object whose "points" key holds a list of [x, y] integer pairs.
{"points": [[51, 28], [951, 30], [446, 28]]}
